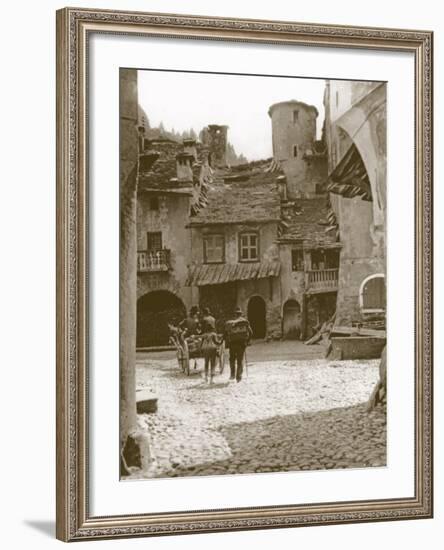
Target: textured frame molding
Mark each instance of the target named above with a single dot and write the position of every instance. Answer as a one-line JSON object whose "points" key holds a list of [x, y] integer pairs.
{"points": [[73, 519]]}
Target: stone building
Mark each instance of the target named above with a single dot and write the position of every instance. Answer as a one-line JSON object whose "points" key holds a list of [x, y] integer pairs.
{"points": [[278, 237], [276, 258], [355, 131], [235, 255], [308, 239], [309, 253], [168, 190], [295, 147]]}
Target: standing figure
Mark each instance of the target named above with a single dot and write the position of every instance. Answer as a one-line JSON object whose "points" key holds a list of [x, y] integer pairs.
{"points": [[208, 321], [210, 343], [237, 335], [190, 325]]}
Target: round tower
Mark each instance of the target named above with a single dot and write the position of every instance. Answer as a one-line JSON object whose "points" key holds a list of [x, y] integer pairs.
{"points": [[294, 133]]}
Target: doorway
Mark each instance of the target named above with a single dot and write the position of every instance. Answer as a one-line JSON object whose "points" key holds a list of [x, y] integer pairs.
{"points": [[257, 316], [155, 311], [292, 320]]}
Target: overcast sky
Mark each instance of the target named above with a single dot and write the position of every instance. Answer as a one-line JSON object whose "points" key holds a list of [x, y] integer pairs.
{"points": [[193, 100]]}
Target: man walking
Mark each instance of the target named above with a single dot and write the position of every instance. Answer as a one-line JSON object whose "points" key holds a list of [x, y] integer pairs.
{"points": [[237, 335]]}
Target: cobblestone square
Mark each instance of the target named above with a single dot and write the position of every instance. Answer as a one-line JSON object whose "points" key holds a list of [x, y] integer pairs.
{"points": [[302, 413]]}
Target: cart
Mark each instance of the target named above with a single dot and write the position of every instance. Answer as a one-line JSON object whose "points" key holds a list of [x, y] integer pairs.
{"points": [[188, 349]]}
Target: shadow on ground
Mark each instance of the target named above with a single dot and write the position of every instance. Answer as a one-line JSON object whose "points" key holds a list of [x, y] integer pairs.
{"points": [[346, 437]]}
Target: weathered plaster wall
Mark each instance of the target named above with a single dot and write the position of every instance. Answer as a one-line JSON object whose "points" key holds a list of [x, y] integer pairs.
{"points": [[292, 282], [268, 289], [268, 249], [351, 274], [356, 113], [171, 219]]}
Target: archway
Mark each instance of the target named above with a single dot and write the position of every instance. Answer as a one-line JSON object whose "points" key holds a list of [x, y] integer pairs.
{"points": [[372, 294], [154, 311], [257, 316], [292, 320]]}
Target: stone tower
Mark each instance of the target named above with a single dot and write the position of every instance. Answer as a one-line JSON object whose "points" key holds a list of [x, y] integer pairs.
{"points": [[214, 138], [294, 136]]}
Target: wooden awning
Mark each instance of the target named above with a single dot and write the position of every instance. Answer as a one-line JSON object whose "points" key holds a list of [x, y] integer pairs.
{"points": [[209, 274], [350, 179]]}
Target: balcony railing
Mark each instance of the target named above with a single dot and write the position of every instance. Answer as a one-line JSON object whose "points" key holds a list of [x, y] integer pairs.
{"points": [[153, 260], [322, 279]]}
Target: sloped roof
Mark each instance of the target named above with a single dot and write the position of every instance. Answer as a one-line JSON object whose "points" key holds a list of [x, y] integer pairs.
{"points": [[209, 274], [244, 193], [350, 178], [163, 173], [308, 221]]}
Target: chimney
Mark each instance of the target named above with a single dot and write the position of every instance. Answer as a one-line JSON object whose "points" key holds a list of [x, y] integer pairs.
{"points": [[184, 163], [189, 147]]}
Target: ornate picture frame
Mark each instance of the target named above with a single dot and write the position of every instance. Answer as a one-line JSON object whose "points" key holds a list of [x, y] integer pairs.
{"points": [[74, 29]]}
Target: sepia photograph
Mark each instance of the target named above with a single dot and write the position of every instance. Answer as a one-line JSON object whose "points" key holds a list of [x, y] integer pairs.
{"points": [[253, 210]]}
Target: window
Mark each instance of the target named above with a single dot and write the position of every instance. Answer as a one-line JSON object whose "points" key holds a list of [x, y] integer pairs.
{"points": [[154, 203], [295, 150], [372, 295], [319, 188], [318, 260], [297, 260], [154, 241], [295, 116], [214, 249], [332, 259], [248, 247]]}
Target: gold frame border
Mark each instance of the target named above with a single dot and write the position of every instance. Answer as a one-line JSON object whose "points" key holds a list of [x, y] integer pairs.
{"points": [[73, 521]]}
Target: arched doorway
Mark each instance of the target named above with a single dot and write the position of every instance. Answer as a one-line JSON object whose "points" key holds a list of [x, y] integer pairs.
{"points": [[154, 311], [372, 294], [256, 316], [292, 320]]}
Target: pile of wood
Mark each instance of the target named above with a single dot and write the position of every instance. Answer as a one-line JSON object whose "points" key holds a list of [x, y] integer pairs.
{"points": [[323, 332]]}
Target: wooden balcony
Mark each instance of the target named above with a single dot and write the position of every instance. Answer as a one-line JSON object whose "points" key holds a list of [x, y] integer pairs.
{"points": [[323, 280], [153, 260]]}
